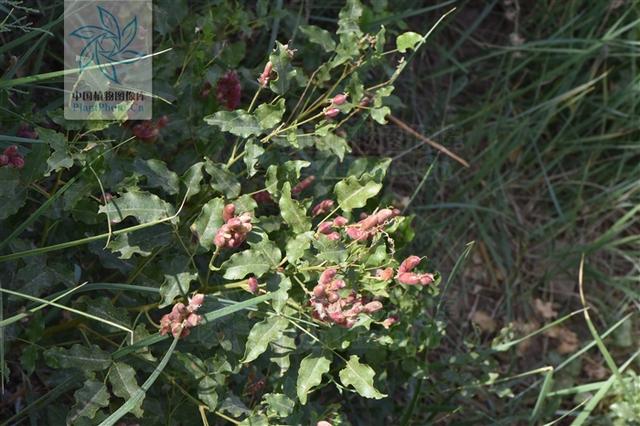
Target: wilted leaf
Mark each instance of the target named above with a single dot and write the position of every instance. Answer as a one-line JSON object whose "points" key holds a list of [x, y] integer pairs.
{"points": [[89, 399], [208, 221], [207, 392], [158, 175], [192, 178], [279, 404], [262, 334], [545, 309], [60, 158], [312, 367], [319, 36], [177, 280], [297, 245], [567, 340], [78, 356], [12, 194], [269, 115], [408, 40], [360, 376], [244, 263], [222, 180], [353, 193], [238, 122], [144, 206], [252, 151], [334, 144], [484, 321], [292, 212], [124, 385], [287, 172]]}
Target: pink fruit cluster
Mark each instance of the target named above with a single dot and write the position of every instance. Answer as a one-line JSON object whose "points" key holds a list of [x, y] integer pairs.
{"points": [[12, 158], [148, 131], [182, 318], [235, 229], [26, 132], [229, 90], [329, 306], [332, 111], [405, 276], [370, 225], [329, 228]]}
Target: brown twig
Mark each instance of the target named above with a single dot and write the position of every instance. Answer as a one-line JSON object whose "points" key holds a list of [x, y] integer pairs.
{"points": [[404, 126]]}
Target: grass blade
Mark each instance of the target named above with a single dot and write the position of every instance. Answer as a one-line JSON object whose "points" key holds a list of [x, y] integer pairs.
{"points": [[66, 308]]}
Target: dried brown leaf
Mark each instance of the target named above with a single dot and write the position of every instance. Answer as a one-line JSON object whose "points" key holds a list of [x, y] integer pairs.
{"points": [[484, 321], [545, 309], [567, 340]]}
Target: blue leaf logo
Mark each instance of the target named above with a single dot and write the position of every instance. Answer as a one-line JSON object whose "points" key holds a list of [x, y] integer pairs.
{"points": [[107, 43]]}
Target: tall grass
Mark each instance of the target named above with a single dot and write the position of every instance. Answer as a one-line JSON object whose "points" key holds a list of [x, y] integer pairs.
{"points": [[548, 119]]}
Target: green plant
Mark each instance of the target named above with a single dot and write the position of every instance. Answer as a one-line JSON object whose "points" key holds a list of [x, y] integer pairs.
{"points": [[280, 262]]}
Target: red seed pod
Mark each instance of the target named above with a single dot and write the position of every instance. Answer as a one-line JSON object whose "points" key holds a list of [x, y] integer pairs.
{"points": [[340, 221], [324, 228], [333, 297], [4, 160], [146, 131], [333, 236], [163, 121], [337, 285], [262, 197], [408, 264], [228, 212], [385, 274], [266, 74], [193, 320], [195, 302], [384, 215], [408, 278], [106, 197], [331, 112], [318, 290], [206, 90], [179, 309], [323, 207], [372, 307], [387, 323], [356, 234], [368, 222], [426, 279], [17, 162], [339, 99], [252, 283], [228, 90], [11, 151], [302, 185], [327, 276], [365, 101], [219, 240], [24, 131], [177, 330]]}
